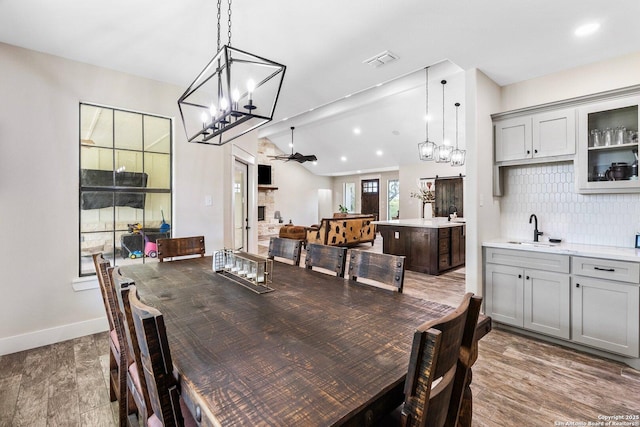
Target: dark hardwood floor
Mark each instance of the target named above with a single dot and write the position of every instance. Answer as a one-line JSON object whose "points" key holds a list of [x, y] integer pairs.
{"points": [[517, 381]]}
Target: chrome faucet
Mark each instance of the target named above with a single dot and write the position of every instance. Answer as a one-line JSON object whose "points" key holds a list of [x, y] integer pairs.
{"points": [[536, 233]]}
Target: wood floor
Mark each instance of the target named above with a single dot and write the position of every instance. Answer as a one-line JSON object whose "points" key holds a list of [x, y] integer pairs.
{"points": [[517, 381]]}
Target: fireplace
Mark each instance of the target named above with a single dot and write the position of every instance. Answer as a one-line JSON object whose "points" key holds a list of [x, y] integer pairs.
{"points": [[261, 213]]}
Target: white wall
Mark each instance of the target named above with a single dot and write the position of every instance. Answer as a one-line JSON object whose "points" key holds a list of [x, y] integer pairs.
{"points": [[39, 156], [383, 177], [297, 194], [481, 209]]}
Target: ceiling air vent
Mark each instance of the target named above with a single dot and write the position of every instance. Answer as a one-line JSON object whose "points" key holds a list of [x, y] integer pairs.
{"points": [[381, 59]]}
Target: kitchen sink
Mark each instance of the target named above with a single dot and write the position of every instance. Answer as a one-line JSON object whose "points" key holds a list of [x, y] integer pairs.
{"points": [[536, 244]]}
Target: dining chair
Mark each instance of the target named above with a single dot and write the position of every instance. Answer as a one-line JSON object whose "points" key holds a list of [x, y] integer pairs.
{"points": [[382, 268], [327, 257], [285, 248], [438, 368], [180, 247], [117, 346], [135, 383], [169, 408]]}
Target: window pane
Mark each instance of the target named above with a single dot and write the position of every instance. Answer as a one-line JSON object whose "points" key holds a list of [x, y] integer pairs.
{"points": [[157, 134], [98, 214], [350, 196], [128, 130], [91, 243], [393, 193], [157, 206], [92, 157], [128, 161], [157, 167], [129, 210], [96, 126]]}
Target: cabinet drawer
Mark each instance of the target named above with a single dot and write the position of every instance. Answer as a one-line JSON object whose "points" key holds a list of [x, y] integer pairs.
{"points": [[528, 259], [444, 233], [443, 246], [606, 269], [444, 261]]}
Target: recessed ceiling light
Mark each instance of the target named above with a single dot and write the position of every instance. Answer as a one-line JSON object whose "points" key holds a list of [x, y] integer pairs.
{"points": [[356, 131], [343, 158], [315, 162], [587, 29], [379, 152]]}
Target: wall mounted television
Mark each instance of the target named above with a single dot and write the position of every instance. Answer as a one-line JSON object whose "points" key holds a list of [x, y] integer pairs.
{"points": [[264, 175]]}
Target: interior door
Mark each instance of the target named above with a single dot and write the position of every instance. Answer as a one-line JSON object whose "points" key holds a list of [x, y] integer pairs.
{"points": [[449, 196], [240, 209], [370, 197]]}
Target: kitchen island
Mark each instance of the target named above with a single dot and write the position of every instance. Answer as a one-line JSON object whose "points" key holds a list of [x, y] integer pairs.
{"points": [[431, 246]]}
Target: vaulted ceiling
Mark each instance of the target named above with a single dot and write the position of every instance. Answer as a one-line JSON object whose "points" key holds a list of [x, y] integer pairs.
{"points": [[324, 45]]}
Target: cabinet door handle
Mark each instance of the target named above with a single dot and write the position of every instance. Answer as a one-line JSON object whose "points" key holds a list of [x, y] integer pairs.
{"points": [[528, 151], [535, 151], [577, 285], [527, 277], [519, 276], [604, 269]]}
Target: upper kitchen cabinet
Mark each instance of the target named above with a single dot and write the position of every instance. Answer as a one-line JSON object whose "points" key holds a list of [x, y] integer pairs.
{"points": [[608, 146], [534, 138]]}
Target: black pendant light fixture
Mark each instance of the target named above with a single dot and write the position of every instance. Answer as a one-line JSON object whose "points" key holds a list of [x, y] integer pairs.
{"points": [[236, 93], [443, 151], [300, 158], [458, 156], [426, 149]]}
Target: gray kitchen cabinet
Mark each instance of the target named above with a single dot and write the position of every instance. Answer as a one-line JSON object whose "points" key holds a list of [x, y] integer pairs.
{"points": [[529, 298], [531, 138], [606, 305], [597, 155]]}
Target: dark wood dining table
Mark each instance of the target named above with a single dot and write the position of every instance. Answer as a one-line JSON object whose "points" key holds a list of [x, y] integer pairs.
{"points": [[317, 351]]}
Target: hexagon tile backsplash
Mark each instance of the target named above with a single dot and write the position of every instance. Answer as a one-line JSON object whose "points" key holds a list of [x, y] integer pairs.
{"points": [[548, 190]]}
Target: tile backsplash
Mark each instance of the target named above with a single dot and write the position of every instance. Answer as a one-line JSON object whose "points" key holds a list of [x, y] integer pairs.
{"points": [[548, 190]]}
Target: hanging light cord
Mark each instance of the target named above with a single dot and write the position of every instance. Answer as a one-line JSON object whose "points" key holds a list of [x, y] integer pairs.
{"points": [[229, 23], [444, 82], [457, 104], [426, 119]]}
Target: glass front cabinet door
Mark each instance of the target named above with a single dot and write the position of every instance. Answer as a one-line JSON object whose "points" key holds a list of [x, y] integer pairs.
{"points": [[608, 146]]}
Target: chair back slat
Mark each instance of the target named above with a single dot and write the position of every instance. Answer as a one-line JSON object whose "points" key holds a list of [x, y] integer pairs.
{"points": [[156, 361], [285, 248], [103, 272], [180, 246], [331, 258], [122, 287], [382, 268], [435, 353]]}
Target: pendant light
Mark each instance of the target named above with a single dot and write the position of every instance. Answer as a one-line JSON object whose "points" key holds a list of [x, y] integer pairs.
{"points": [[457, 156], [443, 152], [236, 93], [426, 149]]}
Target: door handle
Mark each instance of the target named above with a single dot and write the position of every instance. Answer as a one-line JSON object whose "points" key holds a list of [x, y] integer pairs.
{"points": [[611, 270]]}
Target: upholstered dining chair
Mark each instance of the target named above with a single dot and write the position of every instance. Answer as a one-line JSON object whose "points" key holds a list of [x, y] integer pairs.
{"points": [[285, 248], [169, 408], [326, 257], [180, 247], [117, 345], [438, 372], [135, 383], [381, 268]]}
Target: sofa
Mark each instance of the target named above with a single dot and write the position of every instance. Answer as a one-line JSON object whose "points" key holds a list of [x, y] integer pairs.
{"points": [[346, 231]]}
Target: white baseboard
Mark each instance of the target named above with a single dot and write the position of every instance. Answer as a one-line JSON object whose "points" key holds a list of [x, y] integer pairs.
{"points": [[35, 339]]}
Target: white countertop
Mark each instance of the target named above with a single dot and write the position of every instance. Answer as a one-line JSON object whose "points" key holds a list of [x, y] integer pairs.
{"points": [[439, 222], [594, 251]]}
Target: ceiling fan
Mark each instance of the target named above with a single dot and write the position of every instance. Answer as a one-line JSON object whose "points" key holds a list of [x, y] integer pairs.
{"points": [[300, 158]]}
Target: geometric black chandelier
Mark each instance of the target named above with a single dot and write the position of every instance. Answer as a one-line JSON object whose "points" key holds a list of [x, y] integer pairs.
{"points": [[236, 93], [458, 156], [443, 152]]}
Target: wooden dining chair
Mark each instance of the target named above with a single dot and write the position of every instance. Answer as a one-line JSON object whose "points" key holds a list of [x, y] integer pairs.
{"points": [[169, 408], [117, 346], [180, 247], [135, 382], [381, 268], [285, 248], [327, 257], [437, 374]]}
